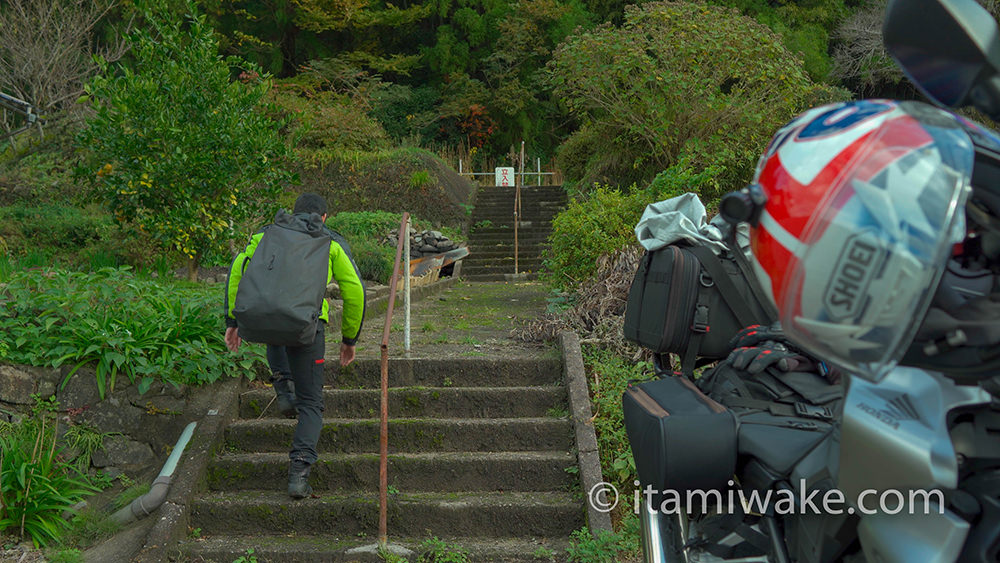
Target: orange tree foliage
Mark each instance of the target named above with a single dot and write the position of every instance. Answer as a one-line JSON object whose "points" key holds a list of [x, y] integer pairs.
{"points": [[177, 149]]}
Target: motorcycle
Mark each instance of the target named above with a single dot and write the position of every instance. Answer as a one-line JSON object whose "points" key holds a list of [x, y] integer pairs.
{"points": [[866, 218]]}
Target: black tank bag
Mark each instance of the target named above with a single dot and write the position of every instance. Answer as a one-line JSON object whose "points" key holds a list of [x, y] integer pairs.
{"points": [[686, 300]]}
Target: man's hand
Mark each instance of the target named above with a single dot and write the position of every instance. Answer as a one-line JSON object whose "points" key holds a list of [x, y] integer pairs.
{"points": [[232, 339], [346, 354]]}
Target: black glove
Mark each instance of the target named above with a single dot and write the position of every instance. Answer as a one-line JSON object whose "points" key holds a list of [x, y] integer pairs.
{"points": [[755, 359], [755, 334]]}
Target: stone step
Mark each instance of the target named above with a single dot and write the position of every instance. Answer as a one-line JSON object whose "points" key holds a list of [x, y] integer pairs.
{"points": [[507, 268], [501, 240], [509, 231], [408, 435], [523, 276], [509, 253], [365, 373], [503, 269], [312, 549], [410, 473], [440, 402], [340, 516], [504, 211], [504, 260], [499, 244], [484, 191]]}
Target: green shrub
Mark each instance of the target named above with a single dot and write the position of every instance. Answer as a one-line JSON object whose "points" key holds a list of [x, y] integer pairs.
{"points": [[118, 323], [590, 226], [611, 374], [406, 112], [36, 484], [678, 80], [85, 238], [434, 550], [175, 147], [603, 221], [364, 224], [374, 260], [606, 547]]}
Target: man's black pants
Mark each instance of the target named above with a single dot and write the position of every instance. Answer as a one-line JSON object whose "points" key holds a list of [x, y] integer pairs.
{"points": [[304, 364]]}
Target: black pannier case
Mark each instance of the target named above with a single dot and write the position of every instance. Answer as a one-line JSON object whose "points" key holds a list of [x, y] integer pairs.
{"points": [[681, 439]]}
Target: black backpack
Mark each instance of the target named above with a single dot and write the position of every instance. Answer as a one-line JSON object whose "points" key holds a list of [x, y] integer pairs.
{"points": [[280, 296], [688, 301]]}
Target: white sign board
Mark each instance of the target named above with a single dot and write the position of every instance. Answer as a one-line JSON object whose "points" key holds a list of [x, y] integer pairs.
{"points": [[505, 176]]}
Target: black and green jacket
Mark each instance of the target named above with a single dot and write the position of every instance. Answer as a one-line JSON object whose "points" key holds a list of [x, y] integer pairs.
{"points": [[342, 269]]}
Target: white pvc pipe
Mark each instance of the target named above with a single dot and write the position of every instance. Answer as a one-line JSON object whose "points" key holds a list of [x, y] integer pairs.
{"points": [[147, 503]]}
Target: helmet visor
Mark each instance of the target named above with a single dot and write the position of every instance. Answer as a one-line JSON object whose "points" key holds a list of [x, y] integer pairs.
{"points": [[872, 254]]}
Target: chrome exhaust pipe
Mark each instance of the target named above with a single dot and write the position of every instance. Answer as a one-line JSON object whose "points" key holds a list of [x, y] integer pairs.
{"points": [[662, 536]]}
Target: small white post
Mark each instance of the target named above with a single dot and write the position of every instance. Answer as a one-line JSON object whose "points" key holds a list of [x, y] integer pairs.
{"points": [[460, 167], [538, 166], [406, 290]]}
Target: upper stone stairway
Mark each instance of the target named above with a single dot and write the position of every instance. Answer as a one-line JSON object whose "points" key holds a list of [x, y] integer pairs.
{"points": [[491, 235]]}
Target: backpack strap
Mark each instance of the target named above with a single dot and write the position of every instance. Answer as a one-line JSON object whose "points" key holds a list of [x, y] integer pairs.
{"points": [[720, 278]]}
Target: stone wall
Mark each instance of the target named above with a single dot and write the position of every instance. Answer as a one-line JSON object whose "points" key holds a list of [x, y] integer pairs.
{"points": [[139, 429]]}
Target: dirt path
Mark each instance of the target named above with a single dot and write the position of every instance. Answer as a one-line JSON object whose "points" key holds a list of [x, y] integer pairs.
{"points": [[467, 320]]}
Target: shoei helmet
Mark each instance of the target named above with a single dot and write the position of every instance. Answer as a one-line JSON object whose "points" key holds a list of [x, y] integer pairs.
{"points": [[862, 204]]}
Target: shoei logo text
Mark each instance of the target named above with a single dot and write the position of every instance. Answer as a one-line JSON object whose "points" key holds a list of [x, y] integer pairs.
{"points": [[855, 268]]}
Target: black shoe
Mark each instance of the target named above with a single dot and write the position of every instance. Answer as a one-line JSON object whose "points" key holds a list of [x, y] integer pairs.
{"points": [[286, 406], [298, 479], [283, 387]]}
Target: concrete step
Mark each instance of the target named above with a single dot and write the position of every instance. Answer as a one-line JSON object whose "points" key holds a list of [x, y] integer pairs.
{"points": [[408, 435], [504, 260], [498, 277], [312, 549], [446, 515], [502, 269], [498, 245], [507, 240], [532, 232], [506, 215], [365, 373], [412, 472], [440, 402], [494, 253]]}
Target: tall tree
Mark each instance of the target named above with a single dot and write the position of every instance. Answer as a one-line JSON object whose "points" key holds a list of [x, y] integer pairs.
{"points": [[178, 149]]}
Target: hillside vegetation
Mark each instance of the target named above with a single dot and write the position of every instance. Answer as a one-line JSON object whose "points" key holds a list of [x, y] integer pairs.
{"points": [[175, 128]]}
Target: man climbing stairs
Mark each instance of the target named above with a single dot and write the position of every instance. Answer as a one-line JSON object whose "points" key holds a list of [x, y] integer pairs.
{"points": [[481, 450]]}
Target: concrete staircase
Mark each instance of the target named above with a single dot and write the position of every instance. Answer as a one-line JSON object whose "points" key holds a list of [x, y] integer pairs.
{"points": [[491, 236], [479, 451]]}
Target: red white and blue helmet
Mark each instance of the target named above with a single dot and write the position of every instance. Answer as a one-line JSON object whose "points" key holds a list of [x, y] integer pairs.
{"points": [[863, 203]]}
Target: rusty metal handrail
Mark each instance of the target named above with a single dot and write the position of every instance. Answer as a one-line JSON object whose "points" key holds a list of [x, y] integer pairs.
{"points": [[383, 466]]}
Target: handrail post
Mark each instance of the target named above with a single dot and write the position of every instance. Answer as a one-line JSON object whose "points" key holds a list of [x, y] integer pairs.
{"points": [[406, 289], [383, 466]]}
